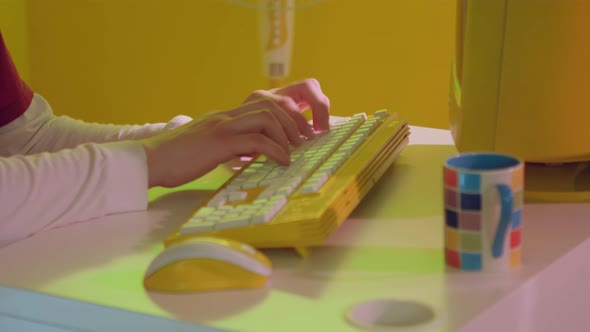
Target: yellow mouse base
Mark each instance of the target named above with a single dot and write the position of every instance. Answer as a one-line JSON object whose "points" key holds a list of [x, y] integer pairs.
{"points": [[201, 275]]}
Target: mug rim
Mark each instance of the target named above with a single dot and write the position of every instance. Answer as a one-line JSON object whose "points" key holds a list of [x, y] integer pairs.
{"points": [[519, 162]]}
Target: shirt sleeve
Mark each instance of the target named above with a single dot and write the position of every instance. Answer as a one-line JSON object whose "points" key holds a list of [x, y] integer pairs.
{"points": [[52, 175], [49, 190], [39, 130]]}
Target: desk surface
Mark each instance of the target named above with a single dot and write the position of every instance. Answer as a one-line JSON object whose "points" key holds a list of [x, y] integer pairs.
{"points": [[88, 275]]}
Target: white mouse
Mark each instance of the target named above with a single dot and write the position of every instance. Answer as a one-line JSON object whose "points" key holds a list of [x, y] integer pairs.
{"points": [[206, 264]]}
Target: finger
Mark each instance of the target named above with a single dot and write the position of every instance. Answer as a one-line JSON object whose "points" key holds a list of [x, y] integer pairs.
{"points": [[288, 123], [253, 143], [256, 95], [260, 121], [292, 111], [309, 93]]}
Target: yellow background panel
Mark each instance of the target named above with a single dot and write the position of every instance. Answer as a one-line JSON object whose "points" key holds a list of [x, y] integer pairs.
{"points": [[13, 24], [127, 61]]}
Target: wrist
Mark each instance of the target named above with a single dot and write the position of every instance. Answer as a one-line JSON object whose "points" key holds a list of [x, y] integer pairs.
{"points": [[151, 158]]}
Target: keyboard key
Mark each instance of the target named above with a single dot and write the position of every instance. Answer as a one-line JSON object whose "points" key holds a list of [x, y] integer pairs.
{"points": [[234, 196], [269, 209], [196, 226]]}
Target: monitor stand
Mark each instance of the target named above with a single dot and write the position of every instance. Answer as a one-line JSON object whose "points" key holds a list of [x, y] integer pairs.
{"points": [[558, 183]]}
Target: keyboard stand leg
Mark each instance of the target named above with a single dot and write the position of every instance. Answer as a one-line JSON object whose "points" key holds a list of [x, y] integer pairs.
{"points": [[304, 252]]}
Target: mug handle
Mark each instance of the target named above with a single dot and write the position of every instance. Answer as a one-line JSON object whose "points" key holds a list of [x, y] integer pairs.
{"points": [[506, 202]]}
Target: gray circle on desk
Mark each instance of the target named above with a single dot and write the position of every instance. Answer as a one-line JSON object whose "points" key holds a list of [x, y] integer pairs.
{"points": [[393, 315]]}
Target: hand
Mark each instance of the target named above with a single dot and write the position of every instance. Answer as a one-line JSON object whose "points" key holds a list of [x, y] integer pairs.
{"points": [[265, 123]]}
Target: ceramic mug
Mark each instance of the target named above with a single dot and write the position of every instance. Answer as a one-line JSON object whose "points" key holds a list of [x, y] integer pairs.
{"points": [[483, 198]]}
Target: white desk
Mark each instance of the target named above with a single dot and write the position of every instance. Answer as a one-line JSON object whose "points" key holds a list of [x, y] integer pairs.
{"points": [[391, 247]]}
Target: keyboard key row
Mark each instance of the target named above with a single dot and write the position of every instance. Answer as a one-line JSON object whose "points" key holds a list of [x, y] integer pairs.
{"points": [[221, 217]]}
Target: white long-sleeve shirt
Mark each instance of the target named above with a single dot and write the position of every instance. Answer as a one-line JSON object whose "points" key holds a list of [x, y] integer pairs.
{"points": [[55, 170]]}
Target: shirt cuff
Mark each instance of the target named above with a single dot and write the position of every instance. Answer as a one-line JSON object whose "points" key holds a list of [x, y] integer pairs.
{"points": [[128, 177]]}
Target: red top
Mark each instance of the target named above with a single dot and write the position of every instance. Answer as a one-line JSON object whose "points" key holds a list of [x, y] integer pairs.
{"points": [[15, 95]]}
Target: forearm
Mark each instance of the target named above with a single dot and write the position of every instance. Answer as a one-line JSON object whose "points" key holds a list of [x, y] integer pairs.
{"points": [[39, 130], [49, 190]]}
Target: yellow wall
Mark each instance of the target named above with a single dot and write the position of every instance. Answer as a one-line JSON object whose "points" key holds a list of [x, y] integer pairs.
{"points": [[145, 60], [13, 24]]}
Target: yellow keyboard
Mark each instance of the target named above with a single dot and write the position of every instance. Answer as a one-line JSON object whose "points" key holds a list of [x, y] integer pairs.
{"points": [[268, 206]]}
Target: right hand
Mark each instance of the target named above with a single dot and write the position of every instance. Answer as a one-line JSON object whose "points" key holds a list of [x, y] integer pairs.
{"points": [[258, 126]]}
